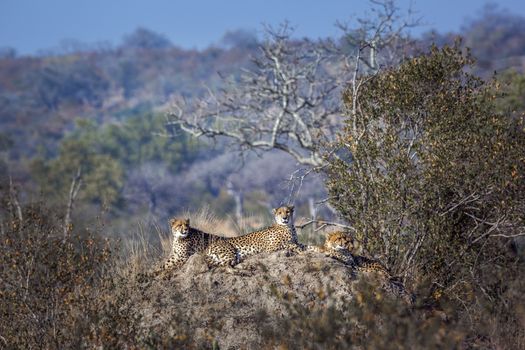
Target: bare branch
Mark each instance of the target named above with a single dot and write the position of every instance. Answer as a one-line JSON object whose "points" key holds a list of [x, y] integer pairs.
{"points": [[324, 223], [14, 200], [521, 234], [288, 100], [73, 193]]}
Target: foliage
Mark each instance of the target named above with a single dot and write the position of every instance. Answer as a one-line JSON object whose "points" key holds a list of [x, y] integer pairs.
{"points": [[48, 281], [512, 100], [436, 179], [77, 82], [143, 38], [371, 320], [80, 292], [240, 38], [103, 155], [51, 90]]}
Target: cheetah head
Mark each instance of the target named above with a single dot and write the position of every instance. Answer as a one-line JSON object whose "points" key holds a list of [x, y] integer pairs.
{"points": [[284, 215], [180, 228], [340, 240]]}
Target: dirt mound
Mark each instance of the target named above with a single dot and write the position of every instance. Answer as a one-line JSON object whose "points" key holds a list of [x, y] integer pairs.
{"points": [[233, 307]]}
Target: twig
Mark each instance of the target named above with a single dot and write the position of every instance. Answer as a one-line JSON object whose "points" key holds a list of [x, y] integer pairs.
{"points": [[468, 199], [14, 201], [73, 192], [325, 223], [522, 234]]}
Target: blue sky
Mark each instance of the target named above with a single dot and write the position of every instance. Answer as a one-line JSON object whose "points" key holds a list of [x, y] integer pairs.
{"points": [[31, 25]]}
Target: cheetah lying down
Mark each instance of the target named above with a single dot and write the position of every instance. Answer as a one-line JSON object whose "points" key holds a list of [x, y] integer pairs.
{"points": [[342, 246], [222, 251]]}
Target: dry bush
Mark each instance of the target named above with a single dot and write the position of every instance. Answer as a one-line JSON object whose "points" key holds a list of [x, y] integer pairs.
{"points": [[373, 320], [48, 282], [68, 292], [370, 320], [79, 293]]}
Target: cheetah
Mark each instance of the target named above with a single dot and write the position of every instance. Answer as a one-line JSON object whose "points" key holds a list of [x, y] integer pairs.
{"points": [[188, 241], [279, 236], [342, 246], [339, 246]]}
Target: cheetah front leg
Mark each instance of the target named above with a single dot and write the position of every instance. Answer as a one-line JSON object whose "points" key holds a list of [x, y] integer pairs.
{"points": [[314, 248], [163, 270], [296, 248], [345, 257]]}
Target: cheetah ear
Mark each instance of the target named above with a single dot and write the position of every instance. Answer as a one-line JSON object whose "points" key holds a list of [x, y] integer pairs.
{"points": [[187, 221], [274, 210], [172, 221], [291, 207]]}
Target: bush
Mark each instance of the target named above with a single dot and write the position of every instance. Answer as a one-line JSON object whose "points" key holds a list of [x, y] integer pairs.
{"points": [[76, 292], [436, 181], [48, 281], [68, 292], [369, 320]]}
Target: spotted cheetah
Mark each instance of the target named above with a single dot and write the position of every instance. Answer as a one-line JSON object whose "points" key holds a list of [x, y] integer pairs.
{"points": [[342, 246], [279, 236], [188, 241], [339, 246]]}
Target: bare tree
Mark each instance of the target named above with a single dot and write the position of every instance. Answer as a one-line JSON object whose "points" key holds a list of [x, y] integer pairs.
{"points": [[377, 40], [290, 97], [285, 102]]}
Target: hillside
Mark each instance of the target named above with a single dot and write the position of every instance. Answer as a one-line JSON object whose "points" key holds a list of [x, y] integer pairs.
{"points": [[102, 108], [104, 85]]}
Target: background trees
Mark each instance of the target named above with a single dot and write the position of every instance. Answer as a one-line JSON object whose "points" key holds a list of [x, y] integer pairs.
{"points": [[113, 162]]}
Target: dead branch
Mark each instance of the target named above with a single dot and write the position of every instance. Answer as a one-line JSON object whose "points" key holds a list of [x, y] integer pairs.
{"points": [[73, 192], [521, 234], [324, 223], [14, 201]]}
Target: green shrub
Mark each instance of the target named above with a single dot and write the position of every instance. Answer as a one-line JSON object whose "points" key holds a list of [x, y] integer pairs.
{"points": [[437, 177], [435, 184]]}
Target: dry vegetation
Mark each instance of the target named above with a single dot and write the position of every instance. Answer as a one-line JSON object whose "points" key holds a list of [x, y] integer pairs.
{"points": [[78, 293]]}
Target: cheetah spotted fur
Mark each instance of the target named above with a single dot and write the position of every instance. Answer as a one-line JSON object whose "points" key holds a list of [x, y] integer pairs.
{"points": [[342, 246], [188, 241], [279, 236]]}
